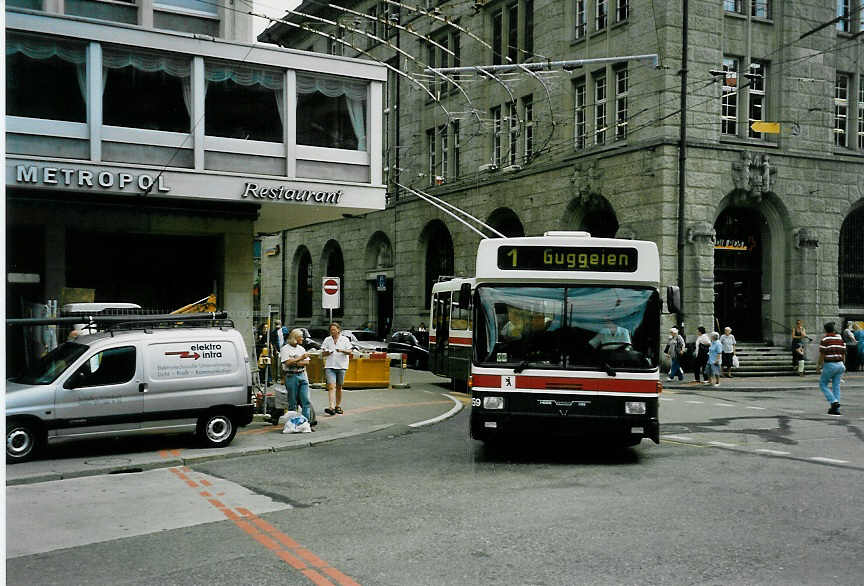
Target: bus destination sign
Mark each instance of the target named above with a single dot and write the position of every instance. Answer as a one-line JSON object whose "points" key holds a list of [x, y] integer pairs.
{"points": [[568, 258]]}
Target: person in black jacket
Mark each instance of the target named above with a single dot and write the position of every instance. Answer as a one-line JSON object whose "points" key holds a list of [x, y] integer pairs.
{"points": [[703, 343]]}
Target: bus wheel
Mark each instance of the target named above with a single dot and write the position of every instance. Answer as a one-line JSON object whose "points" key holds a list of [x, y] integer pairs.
{"points": [[460, 385], [628, 441]]}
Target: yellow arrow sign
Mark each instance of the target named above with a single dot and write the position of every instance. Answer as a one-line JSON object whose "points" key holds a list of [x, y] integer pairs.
{"points": [[766, 127]]}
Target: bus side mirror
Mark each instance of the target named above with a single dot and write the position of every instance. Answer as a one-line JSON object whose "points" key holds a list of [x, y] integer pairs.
{"points": [[465, 296], [673, 299]]}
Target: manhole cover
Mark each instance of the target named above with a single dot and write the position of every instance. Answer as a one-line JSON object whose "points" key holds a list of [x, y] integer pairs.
{"points": [[108, 462]]}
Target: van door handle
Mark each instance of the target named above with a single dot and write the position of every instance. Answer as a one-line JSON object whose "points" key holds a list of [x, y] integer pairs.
{"points": [[142, 387]]}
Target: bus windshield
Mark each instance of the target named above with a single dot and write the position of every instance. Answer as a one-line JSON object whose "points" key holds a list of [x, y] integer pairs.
{"points": [[585, 327]]}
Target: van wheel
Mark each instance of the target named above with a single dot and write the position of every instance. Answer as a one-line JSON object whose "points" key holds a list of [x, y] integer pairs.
{"points": [[23, 441], [216, 429]]}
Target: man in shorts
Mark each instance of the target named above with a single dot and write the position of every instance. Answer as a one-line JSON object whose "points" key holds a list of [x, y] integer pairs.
{"points": [[336, 350]]}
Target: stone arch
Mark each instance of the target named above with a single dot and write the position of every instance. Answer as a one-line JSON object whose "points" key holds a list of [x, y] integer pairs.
{"points": [[592, 213], [379, 251], [507, 222], [436, 244], [769, 215], [333, 264], [302, 276], [850, 259]]}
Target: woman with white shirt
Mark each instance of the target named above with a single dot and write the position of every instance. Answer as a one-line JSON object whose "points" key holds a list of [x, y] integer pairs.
{"points": [[294, 359], [727, 340], [336, 349]]}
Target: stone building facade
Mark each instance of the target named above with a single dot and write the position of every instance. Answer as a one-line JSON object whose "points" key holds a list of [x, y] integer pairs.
{"points": [[773, 222]]}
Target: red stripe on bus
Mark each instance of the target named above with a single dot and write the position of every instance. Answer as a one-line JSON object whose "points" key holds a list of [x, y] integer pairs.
{"points": [[559, 383], [432, 338], [455, 340]]}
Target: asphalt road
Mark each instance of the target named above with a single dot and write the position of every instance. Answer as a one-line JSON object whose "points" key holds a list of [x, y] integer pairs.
{"points": [[746, 488]]}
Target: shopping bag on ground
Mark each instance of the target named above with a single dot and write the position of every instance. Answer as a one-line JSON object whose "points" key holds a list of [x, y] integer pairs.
{"points": [[296, 423], [735, 363]]}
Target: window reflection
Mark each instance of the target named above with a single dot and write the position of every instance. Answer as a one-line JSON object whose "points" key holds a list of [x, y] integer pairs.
{"points": [[331, 112], [244, 103]]}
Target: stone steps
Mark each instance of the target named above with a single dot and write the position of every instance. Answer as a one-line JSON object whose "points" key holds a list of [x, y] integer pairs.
{"points": [[762, 360]]}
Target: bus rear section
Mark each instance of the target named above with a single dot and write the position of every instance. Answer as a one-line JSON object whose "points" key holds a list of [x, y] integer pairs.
{"points": [[567, 358]]}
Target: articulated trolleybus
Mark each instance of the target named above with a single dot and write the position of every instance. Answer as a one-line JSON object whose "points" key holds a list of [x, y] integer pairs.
{"points": [[554, 335]]}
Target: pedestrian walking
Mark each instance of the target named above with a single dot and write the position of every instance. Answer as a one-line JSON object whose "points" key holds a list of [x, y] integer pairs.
{"points": [[278, 336], [832, 351], [851, 347], [799, 337], [675, 350], [703, 343], [859, 336], [727, 341], [336, 349], [715, 354], [294, 359]]}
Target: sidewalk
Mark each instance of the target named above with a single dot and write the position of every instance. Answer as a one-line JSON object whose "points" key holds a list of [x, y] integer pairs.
{"points": [[427, 401], [854, 380]]}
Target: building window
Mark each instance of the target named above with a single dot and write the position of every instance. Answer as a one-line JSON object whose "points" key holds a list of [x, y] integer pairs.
{"points": [[513, 131], [760, 8], [198, 5], [372, 25], [622, 86], [757, 99], [600, 95], [443, 139], [151, 91], [622, 10], [457, 164], [850, 260], [528, 120], [528, 40], [601, 14], [243, 102], [579, 13], [512, 48], [496, 136], [844, 24], [331, 112], [46, 79], [861, 113], [432, 162], [736, 6], [841, 108], [497, 36], [729, 100], [444, 53], [579, 114], [304, 284]]}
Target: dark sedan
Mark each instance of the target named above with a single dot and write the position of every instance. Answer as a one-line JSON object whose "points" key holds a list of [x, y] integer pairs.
{"points": [[407, 343]]}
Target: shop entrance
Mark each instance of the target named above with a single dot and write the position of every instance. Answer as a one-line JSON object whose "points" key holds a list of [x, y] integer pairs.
{"points": [[384, 311], [157, 272], [738, 254]]}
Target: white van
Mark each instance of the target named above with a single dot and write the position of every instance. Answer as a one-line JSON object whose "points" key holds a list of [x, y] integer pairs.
{"points": [[137, 380]]}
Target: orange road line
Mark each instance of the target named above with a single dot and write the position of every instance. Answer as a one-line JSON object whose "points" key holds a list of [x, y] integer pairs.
{"points": [[163, 454], [311, 557], [340, 577], [316, 578], [205, 482], [216, 503], [292, 561], [204, 493], [192, 483]]}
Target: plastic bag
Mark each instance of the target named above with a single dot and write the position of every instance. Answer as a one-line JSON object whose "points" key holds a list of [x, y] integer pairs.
{"points": [[296, 423], [735, 363]]}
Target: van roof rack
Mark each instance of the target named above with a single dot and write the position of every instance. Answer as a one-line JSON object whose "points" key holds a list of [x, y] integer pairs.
{"points": [[176, 322]]}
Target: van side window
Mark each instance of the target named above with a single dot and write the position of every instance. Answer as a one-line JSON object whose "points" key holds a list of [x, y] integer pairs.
{"points": [[109, 367]]}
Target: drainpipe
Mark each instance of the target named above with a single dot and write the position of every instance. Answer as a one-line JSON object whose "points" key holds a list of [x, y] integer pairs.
{"points": [[282, 278], [682, 157]]}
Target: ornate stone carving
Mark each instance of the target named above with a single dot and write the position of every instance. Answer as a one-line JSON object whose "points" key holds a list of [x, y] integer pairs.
{"points": [[384, 258], [701, 233], [753, 175], [586, 181]]}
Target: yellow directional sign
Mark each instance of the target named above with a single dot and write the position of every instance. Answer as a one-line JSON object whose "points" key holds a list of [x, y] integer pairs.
{"points": [[766, 127]]}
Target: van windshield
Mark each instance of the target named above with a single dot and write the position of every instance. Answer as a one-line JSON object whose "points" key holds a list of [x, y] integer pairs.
{"points": [[46, 370]]}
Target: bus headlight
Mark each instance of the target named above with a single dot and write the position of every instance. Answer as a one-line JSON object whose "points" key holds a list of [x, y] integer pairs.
{"points": [[493, 402], [634, 407]]}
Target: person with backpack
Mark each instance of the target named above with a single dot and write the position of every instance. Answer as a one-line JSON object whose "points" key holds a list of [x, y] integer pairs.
{"points": [[675, 350]]}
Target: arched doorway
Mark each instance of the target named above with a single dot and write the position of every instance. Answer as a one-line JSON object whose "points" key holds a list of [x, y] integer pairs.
{"points": [[379, 279], [507, 222], [850, 261], [738, 258], [303, 274], [591, 213], [334, 265], [438, 244]]}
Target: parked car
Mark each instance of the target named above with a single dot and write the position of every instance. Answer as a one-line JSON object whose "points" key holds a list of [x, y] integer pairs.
{"points": [[405, 342], [365, 341]]}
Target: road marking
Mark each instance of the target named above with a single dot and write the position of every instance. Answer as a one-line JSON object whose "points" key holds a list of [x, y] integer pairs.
{"points": [[268, 536], [666, 399], [773, 452], [828, 460], [724, 405], [456, 408], [756, 408], [694, 402], [680, 438], [722, 444]]}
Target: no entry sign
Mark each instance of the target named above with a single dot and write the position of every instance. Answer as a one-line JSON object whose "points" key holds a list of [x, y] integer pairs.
{"points": [[330, 293]]}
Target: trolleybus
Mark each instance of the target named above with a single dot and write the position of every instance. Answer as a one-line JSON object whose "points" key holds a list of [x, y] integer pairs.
{"points": [[556, 334]]}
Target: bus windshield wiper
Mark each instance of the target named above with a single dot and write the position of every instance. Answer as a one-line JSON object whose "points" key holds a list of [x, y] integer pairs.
{"points": [[522, 366], [608, 368]]}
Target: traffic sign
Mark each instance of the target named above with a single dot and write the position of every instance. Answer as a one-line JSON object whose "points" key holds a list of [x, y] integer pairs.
{"points": [[331, 293]]}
